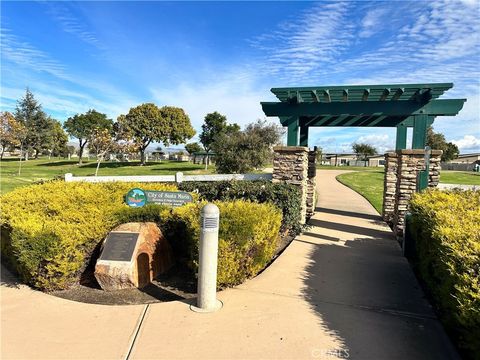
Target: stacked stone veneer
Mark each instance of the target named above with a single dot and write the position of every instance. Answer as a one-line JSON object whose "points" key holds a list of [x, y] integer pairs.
{"points": [[401, 174], [390, 187], [290, 165], [311, 183]]}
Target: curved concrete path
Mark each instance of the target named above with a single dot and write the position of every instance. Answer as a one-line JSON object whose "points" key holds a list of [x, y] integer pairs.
{"points": [[340, 290]]}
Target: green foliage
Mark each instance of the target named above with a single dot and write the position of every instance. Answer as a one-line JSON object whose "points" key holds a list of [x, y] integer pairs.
{"points": [[147, 123], [214, 125], [437, 141], [179, 126], [58, 140], [284, 196], [245, 151], [363, 151], [54, 227], [447, 232], [248, 236], [193, 148], [50, 239], [81, 126], [41, 131]]}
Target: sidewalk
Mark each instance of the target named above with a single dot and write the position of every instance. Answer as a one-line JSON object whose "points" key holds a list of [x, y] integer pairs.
{"points": [[340, 290]]}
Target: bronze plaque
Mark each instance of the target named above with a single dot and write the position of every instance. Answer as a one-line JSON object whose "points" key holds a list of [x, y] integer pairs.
{"points": [[119, 246]]}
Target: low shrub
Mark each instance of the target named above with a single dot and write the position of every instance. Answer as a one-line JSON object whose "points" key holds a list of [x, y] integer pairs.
{"points": [[284, 196], [50, 231], [248, 235], [446, 229]]}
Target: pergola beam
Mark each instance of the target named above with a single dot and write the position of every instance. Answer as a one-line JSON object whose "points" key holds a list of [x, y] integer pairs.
{"points": [[446, 107]]}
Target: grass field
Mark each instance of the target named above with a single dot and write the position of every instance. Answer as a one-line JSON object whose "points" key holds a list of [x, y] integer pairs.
{"points": [[44, 169], [369, 184], [354, 168]]}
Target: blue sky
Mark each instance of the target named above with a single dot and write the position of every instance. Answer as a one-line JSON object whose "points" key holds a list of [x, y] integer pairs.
{"points": [[225, 56]]}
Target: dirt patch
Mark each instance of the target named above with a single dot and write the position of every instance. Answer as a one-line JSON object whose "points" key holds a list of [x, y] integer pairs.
{"points": [[177, 284]]}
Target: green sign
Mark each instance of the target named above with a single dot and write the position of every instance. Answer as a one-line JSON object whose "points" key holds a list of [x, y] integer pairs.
{"points": [[138, 198]]}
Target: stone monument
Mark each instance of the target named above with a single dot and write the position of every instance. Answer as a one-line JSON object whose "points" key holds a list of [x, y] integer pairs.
{"points": [[132, 255]]}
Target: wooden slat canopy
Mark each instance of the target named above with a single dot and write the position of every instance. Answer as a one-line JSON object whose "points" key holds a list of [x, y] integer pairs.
{"points": [[399, 105]]}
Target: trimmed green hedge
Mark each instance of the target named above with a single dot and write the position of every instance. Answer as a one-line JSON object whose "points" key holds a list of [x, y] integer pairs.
{"points": [[248, 236], [446, 229], [50, 231], [285, 196]]}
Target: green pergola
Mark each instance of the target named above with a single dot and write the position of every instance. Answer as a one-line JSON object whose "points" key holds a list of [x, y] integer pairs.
{"points": [[400, 106]]}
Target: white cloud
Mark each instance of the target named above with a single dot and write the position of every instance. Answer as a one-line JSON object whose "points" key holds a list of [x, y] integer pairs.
{"points": [[70, 24], [24, 54], [233, 95], [382, 142], [468, 143], [372, 22], [305, 42]]}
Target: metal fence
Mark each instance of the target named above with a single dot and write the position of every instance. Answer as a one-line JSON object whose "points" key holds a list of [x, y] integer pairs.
{"points": [[177, 178]]}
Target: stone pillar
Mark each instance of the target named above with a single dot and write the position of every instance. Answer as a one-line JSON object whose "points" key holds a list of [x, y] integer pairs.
{"points": [[389, 187], [410, 162], [290, 165], [312, 183]]}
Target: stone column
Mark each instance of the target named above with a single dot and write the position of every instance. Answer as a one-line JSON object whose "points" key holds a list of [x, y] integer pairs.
{"points": [[410, 162], [312, 183], [290, 165], [389, 187]]}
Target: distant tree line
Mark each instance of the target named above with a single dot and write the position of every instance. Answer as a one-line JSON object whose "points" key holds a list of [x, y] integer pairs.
{"points": [[35, 133]]}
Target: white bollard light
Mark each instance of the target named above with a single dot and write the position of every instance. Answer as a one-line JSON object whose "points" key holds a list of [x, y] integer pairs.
{"points": [[208, 259]]}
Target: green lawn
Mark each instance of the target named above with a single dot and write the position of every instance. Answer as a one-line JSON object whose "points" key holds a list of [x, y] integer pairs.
{"points": [[356, 168], [34, 170], [460, 177], [369, 184]]}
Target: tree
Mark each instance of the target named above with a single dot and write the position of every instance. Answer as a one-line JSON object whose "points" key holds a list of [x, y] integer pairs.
{"points": [[180, 129], [147, 123], [437, 141], [243, 151], [215, 125], [193, 148], [57, 140], [69, 151], [38, 127], [319, 155], [363, 151], [103, 143], [81, 127], [11, 132]]}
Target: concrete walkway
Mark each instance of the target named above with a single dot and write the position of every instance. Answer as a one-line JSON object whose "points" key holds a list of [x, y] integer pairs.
{"points": [[340, 290]]}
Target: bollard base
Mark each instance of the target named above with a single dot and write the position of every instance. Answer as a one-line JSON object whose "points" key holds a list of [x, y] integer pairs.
{"points": [[218, 306]]}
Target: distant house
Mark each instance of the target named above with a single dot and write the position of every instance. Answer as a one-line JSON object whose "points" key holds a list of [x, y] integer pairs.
{"points": [[179, 156], [351, 160], [376, 160], [464, 162], [339, 159], [466, 159]]}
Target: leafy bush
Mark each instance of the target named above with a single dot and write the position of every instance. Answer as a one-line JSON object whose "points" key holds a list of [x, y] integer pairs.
{"points": [[446, 228], [285, 196], [50, 231], [248, 236]]}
